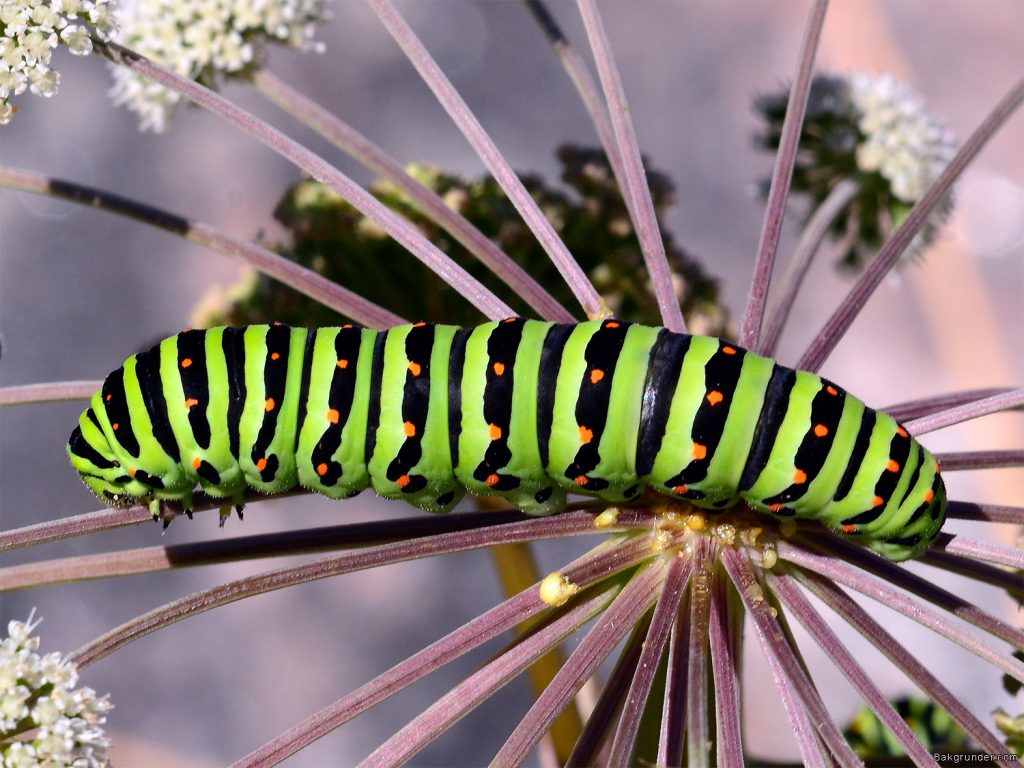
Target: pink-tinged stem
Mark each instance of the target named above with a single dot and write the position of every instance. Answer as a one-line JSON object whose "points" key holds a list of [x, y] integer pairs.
{"points": [[492, 158], [642, 207], [1004, 402], [601, 722], [876, 271], [988, 513], [51, 392], [724, 665], [782, 176], [905, 660], [972, 569], [698, 736], [794, 601], [886, 593], [480, 686], [373, 557], [673, 711], [600, 563], [286, 271], [915, 409], [814, 234], [398, 228], [587, 89], [676, 579], [76, 525], [356, 145], [952, 462], [635, 598], [799, 698], [981, 550]]}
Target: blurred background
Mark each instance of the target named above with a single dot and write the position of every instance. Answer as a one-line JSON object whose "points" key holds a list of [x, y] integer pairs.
{"points": [[80, 290]]}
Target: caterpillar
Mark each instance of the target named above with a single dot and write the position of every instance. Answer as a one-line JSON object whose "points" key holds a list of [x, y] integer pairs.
{"points": [[526, 410]]}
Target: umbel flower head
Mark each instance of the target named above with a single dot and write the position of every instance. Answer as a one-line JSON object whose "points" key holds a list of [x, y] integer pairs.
{"points": [[44, 721], [30, 30], [877, 132], [205, 40]]}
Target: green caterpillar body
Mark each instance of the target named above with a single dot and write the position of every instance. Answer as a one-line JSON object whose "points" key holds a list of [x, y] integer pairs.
{"points": [[522, 409]]}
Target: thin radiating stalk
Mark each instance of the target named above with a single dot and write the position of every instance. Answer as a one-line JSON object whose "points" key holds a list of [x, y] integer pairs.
{"points": [[77, 525], [587, 89], [843, 317], [673, 710], [981, 550], [603, 561], [415, 549], [286, 271], [485, 147], [729, 744], [468, 694], [402, 231], [941, 419], [989, 513], [840, 602], [978, 572], [915, 409], [357, 146], [966, 460], [782, 176], [885, 593], [636, 189], [776, 647], [602, 719], [698, 736], [677, 578], [814, 234], [630, 604], [834, 648], [49, 392]]}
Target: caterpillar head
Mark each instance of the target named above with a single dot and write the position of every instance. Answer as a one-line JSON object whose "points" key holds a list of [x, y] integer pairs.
{"points": [[91, 454], [925, 518]]}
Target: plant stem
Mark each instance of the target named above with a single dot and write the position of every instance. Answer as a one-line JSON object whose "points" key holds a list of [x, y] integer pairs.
{"points": [[50, 392]]}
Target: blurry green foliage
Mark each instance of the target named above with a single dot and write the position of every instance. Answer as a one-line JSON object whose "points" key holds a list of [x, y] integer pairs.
{"points": [[331, 237], [871, 740]]}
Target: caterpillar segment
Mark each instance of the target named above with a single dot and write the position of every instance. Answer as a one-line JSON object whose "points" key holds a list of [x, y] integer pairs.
{"points": [[526, 410]]}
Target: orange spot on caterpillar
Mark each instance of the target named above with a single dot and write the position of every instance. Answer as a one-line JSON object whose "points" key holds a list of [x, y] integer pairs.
{"points": [[493, 480], [715, 397], [582, 480], [109, 398], [420, 324], [415, 369], [699, 451], [495, 431], [190, 402], [831, 390], [510, 319], [929, 495], [586, 435], [132, 471], [820, 430], [197, 463], [275, 355], [409, 428], [347, 325], [893, 465], [321, 469], [115, 425], [681, 489], [728, 350], [938, 467], [186, 363], [849, 528], [775, 507], [333, 416], [611, 324], [261, 464], [276, 322], [403, 481], [901, 432], [596, 375], [343, 364], [270, 404], [877, 501], [499, 369], [799, 477]]}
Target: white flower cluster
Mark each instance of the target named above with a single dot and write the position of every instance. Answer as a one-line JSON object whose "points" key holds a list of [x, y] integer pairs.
{"points": [[902, 140], [44, 722], [203, 40], [30, 30]]}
